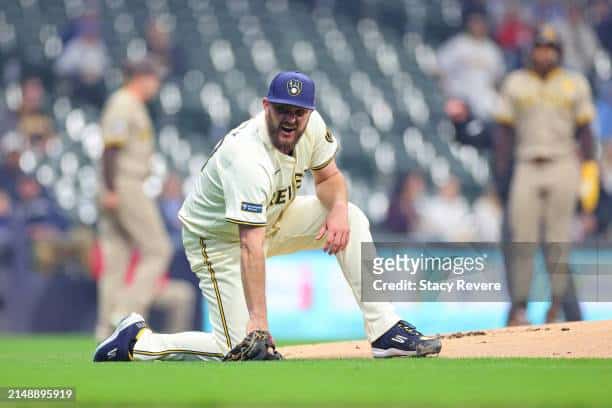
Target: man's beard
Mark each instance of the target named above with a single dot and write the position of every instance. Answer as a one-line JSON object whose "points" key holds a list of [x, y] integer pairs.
{"points": [[284, 146], [544, 65]]}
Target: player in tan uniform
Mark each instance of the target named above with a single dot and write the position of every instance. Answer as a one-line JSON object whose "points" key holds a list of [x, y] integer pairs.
{"points": [[130, 219], [244, 208], [545, 114]]}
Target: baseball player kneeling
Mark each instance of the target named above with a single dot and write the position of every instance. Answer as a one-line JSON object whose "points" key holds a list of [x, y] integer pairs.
{"points": [[243, 209]]}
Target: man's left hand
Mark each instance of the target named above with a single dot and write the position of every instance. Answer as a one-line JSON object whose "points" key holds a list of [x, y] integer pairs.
{"points": [[336, 228], [257, 345]]}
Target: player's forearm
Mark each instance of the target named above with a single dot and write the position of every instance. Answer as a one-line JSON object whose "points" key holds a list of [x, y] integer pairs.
{"points": [[109, 167], [253, 271], [252, 266], [503, 149], [332, 191], [586, 142]]}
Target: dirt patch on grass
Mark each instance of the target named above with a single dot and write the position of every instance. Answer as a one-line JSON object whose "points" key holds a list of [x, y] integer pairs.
{"points": [[560, 340]]}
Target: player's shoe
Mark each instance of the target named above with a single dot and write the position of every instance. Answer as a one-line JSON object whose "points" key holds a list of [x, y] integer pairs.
{"points": [[119, 346], [404, 339]]}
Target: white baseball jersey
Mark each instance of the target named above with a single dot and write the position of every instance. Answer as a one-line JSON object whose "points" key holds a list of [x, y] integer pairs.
{"points": [[248, 181]]}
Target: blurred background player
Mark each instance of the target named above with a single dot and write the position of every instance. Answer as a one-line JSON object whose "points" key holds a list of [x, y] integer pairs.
{"points": [[542, 112], [491, 211], [130, 219]]}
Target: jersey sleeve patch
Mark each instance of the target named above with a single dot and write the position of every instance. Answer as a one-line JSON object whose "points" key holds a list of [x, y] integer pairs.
{"points": [[246, 188], [251, 207], [115, 130]]}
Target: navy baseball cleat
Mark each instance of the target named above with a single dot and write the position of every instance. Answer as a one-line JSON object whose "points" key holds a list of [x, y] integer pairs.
{"points": [[404, 339], [119, 346]]}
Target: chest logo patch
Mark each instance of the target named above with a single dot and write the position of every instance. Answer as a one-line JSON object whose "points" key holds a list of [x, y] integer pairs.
{"points": [[251, 207]]}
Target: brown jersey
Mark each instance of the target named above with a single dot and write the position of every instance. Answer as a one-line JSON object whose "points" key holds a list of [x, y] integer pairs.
{"points": [[545, 111], [126, 124]]}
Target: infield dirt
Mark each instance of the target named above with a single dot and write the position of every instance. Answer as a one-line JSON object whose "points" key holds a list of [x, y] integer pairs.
{"points": [[591, 339]]}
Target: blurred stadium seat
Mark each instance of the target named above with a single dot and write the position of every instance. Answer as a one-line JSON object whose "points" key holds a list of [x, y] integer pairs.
{"points": [[374, 84]]}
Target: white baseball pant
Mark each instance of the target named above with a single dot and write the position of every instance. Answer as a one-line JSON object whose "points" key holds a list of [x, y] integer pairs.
{"points": [[217, 264]]}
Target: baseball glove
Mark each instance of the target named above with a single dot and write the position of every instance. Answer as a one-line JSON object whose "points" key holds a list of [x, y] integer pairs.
{"points": [[257, 345]]}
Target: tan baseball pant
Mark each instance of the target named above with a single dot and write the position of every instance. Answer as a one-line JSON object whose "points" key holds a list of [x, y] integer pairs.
{"points": [[135, 224], [542, 202]]}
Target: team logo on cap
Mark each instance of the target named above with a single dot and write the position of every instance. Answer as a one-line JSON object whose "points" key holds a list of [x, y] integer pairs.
{"points": [[294, 87]]}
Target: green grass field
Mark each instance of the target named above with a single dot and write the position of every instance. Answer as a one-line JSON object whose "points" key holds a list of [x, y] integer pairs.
{"points": [[66, 361]]}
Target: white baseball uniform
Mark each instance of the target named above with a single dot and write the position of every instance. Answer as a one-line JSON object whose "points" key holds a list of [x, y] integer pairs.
{"points": [[248, 181]]}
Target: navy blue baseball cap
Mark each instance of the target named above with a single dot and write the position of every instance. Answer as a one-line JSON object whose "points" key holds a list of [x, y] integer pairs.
{"points": [[292, 88]]}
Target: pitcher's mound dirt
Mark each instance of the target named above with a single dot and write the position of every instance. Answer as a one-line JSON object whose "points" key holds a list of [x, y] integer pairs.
{"points": [[564, 340]]}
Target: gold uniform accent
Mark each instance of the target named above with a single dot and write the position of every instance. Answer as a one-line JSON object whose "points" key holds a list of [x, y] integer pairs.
{"points": [[217, 292], [325, 163], [584, 119], [145, 134], [178, 351], [288, 193], [114, 143], [504, 120], [240, 222], [298, 180], [138, 336]]}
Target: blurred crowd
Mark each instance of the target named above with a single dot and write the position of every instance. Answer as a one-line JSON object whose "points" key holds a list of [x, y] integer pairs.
{"points": [[444, 215], [495, 38], [39, 238], [40, 242]]}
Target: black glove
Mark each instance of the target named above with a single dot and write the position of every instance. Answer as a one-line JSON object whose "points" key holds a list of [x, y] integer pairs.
{"points": [[257, 345]]}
